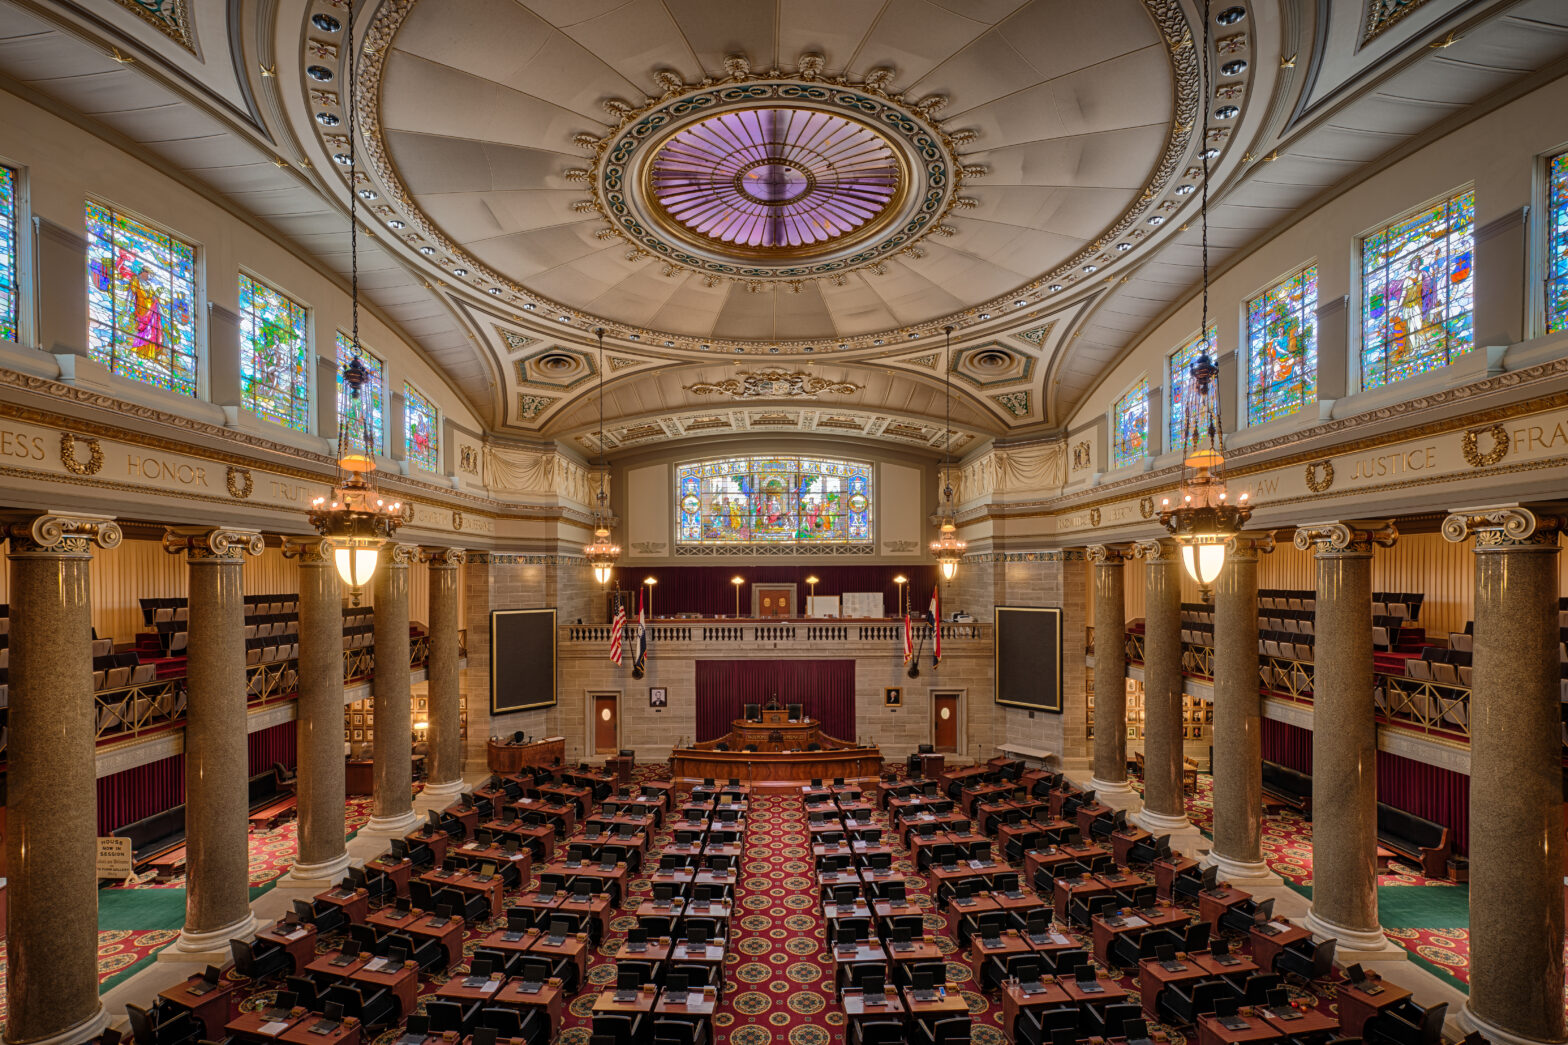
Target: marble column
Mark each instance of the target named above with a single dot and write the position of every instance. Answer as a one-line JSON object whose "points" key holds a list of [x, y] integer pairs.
{"points": [[1164, 804], [1238, 722], [392, 805], [445, 705], [51, 815], [319, 725], [1110, 672], [1516, 821], [217, 796], [1344, 749]]}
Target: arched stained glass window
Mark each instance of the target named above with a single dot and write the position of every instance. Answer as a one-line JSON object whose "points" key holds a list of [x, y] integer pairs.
{"points": [[1557, 244], [371, 402], [423, 422], [8, 283], [141, 295], [274, 355], [1179, 374], [775, 500], [1130, 425], [1282, 348], [1417, 292]]}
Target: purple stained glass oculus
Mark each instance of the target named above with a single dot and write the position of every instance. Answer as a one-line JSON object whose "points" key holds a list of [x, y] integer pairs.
{"points": [[775, 179]]}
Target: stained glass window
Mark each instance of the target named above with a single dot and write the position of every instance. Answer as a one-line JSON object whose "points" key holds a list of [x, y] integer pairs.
{"points": [[8, 287], [1130, 425], [1179, 376], [1557, 245], [1282, 348], [141, 294], [370, 403], [274, 355], [774, 500], [1417, 292], [423, 422]]}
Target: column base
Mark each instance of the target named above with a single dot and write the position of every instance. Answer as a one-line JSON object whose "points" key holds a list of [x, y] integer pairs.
{"points": [[86, 1030], [1491, 1031], [202, 947], [1161, 823], [1242, 872], [327, 871], [1357, 945], [1110, 787], [391, 826], [449, 789]]}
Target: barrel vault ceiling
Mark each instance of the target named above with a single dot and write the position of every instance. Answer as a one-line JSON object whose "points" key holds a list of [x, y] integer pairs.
{"points": [[509, 165]]}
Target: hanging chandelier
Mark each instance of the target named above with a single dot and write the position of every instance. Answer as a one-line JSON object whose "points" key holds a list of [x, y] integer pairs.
{"points": [[1205, 520], [602, 553], [356, 520], [947, 549]]}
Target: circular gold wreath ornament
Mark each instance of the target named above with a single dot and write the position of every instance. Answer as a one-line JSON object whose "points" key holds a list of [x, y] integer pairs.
{"points": [[1469, 446], [1318, 484], [68, 454]]}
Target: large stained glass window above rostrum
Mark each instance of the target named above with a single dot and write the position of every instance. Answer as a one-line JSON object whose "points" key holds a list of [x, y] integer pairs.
{"points": [[274, 355], [141, 294], [1282, 348], [774, 500], [1417, 293]]}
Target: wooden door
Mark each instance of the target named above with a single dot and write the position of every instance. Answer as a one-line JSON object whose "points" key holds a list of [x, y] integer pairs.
{"points": [[606, 724], [944, 722]]}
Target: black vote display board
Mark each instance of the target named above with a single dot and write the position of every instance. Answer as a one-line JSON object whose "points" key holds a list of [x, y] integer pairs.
{"points": [[1029, 657], [522, 660]]}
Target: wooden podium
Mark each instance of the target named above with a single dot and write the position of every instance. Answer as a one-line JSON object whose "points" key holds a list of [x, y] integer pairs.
{"points": [[775, 717]]}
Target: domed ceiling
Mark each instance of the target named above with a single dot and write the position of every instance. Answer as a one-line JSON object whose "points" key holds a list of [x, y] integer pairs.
{"points": [[773, 208]]}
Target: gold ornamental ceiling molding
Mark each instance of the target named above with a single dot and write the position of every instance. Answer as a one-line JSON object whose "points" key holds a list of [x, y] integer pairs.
{"points": [[773, 383], [407, 223]]}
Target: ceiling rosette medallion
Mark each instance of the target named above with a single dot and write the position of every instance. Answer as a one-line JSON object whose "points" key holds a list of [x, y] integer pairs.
{"points": [[774, 384], [763, 176]]}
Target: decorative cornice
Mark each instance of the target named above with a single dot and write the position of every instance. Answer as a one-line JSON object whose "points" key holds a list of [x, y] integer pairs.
{"points": [[212, 544], [1504, 527], [773, 383], [1345, 538], [511, 559], [1048, 555], [67, 534]]}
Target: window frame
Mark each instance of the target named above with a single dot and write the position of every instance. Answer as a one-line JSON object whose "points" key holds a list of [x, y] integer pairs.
{"points": [[308, 313], [22, 261], [1359, 288], [1172, 441], [340, 392], [1244, 399], [202, 378], [1538, 270]]}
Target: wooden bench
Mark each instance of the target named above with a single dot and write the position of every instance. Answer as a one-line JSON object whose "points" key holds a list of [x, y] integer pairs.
{"points": [[268, 816]]}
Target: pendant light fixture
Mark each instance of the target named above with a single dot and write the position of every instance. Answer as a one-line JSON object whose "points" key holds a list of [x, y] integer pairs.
{"points": [[947, 549], [1204, 520], [602, 554], [356, 520]]}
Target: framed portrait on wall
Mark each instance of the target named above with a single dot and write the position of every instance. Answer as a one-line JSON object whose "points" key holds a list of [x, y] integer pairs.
{"points": [[359, 734], [658, 697], [893, 697]]}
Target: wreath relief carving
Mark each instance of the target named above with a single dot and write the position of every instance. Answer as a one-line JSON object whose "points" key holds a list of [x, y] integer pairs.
{"points": [[240, 482], [1318, 483], [94, 461], [1469, 445]]}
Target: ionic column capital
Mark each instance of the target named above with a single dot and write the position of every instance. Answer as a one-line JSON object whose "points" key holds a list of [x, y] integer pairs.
{"points": [[1244, 547], [401, 555], [1157, 551], [69, 534], [1354, 537], [1106, 554], [1504, 527], [444, 558], [212, 543], [310, 551]]}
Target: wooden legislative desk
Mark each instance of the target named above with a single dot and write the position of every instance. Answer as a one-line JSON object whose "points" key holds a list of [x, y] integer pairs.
{"points": [[781, 753], [509, 758]]}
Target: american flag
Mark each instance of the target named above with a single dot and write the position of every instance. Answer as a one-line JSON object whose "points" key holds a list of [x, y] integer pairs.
{"points": [[616, 629], [936, 627], [909, 639]]}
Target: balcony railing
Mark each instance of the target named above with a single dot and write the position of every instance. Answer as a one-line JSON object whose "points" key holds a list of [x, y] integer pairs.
{"points": [[131, 712], [867, 637], [1436, 709]]}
